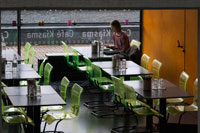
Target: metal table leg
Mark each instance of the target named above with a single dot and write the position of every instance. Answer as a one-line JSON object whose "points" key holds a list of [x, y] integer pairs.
{"points": [[34, 114], [149, 120], [163, 120]]}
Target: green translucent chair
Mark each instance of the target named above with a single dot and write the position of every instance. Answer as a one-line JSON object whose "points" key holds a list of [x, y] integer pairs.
{"points": [[72, 114], [47, 73], [136, 43], [126, 95], [77, 63], [155, 68], [88, 67], [183, 79], [31, 56], [12, 115], [182, 109], [26, 52], [41, 70], [66, 50], [137, 106], [99, 80], [136, 78], [63, 93], [145, 61]]}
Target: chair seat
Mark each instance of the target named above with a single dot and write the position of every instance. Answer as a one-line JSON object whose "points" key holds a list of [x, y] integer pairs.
{"points": [[174, 110], [82, 68], [141, 108], [50, 118], [23, 83], [136, 78], [10, 109], [146, 111], [175, 100], [109, 87], [52, 108], [81, 63], [70, 64], [103, 80], [136, 104], [15, 119]]}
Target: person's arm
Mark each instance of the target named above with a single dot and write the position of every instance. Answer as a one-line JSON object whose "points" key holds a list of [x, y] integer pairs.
{"points": [[112, 46], [126, 45]]}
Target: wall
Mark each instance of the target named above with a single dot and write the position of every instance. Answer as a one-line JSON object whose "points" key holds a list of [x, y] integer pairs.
{"points": [[161, 31]]}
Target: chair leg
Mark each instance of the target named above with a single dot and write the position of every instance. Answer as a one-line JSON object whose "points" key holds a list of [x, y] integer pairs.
{"points": [[167, 117], [179, 121], [57, 125], [44, 127]]}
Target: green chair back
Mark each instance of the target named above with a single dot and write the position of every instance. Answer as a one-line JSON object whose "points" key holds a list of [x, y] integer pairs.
{"points": [[119, 91], [89, 66], [47, 73], [2, 107], [145, 61], [31, 56], [195, 91], [63, 88], [130, 94], [183, 80], [136, 43], [66, 50], [97, 73], [155, 68], [75, 98], [26, 52], [75, 57], [41, 69]]}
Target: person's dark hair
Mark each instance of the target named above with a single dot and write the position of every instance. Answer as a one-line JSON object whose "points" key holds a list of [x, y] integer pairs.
{"points": [[116, 24]]}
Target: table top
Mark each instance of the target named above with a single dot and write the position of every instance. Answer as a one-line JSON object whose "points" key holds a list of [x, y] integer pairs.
{"points": [[87, 51], [21, 75], [9, 54], [171, 90], [18, 97], [130, 71], [57, 54], [108, 64], [24, 67]]}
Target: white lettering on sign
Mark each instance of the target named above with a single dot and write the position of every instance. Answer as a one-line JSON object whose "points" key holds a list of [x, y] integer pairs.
{"points": [[40, 35], [65, 34], [99, 34], [5, 34]]}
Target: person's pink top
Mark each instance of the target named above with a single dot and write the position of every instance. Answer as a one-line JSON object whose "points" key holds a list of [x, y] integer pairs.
{"points": [[121, 42]]}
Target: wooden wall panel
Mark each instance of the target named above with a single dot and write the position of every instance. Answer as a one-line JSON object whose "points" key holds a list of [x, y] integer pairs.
{"points": [[191, 47], [161, 30]]}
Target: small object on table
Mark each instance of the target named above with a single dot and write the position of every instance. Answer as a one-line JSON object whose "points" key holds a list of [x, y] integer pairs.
{"points": [[32, 88], [69, 22], [95, 46], [126, 21], [147, 83], [14, 23], [116, 61]]}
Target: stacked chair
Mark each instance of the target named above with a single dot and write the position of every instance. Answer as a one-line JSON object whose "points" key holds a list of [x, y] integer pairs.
{"points": [[126, 96]]}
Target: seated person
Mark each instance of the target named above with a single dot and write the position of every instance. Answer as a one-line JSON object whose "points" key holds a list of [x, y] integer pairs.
{"points": [[120, 39]]}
